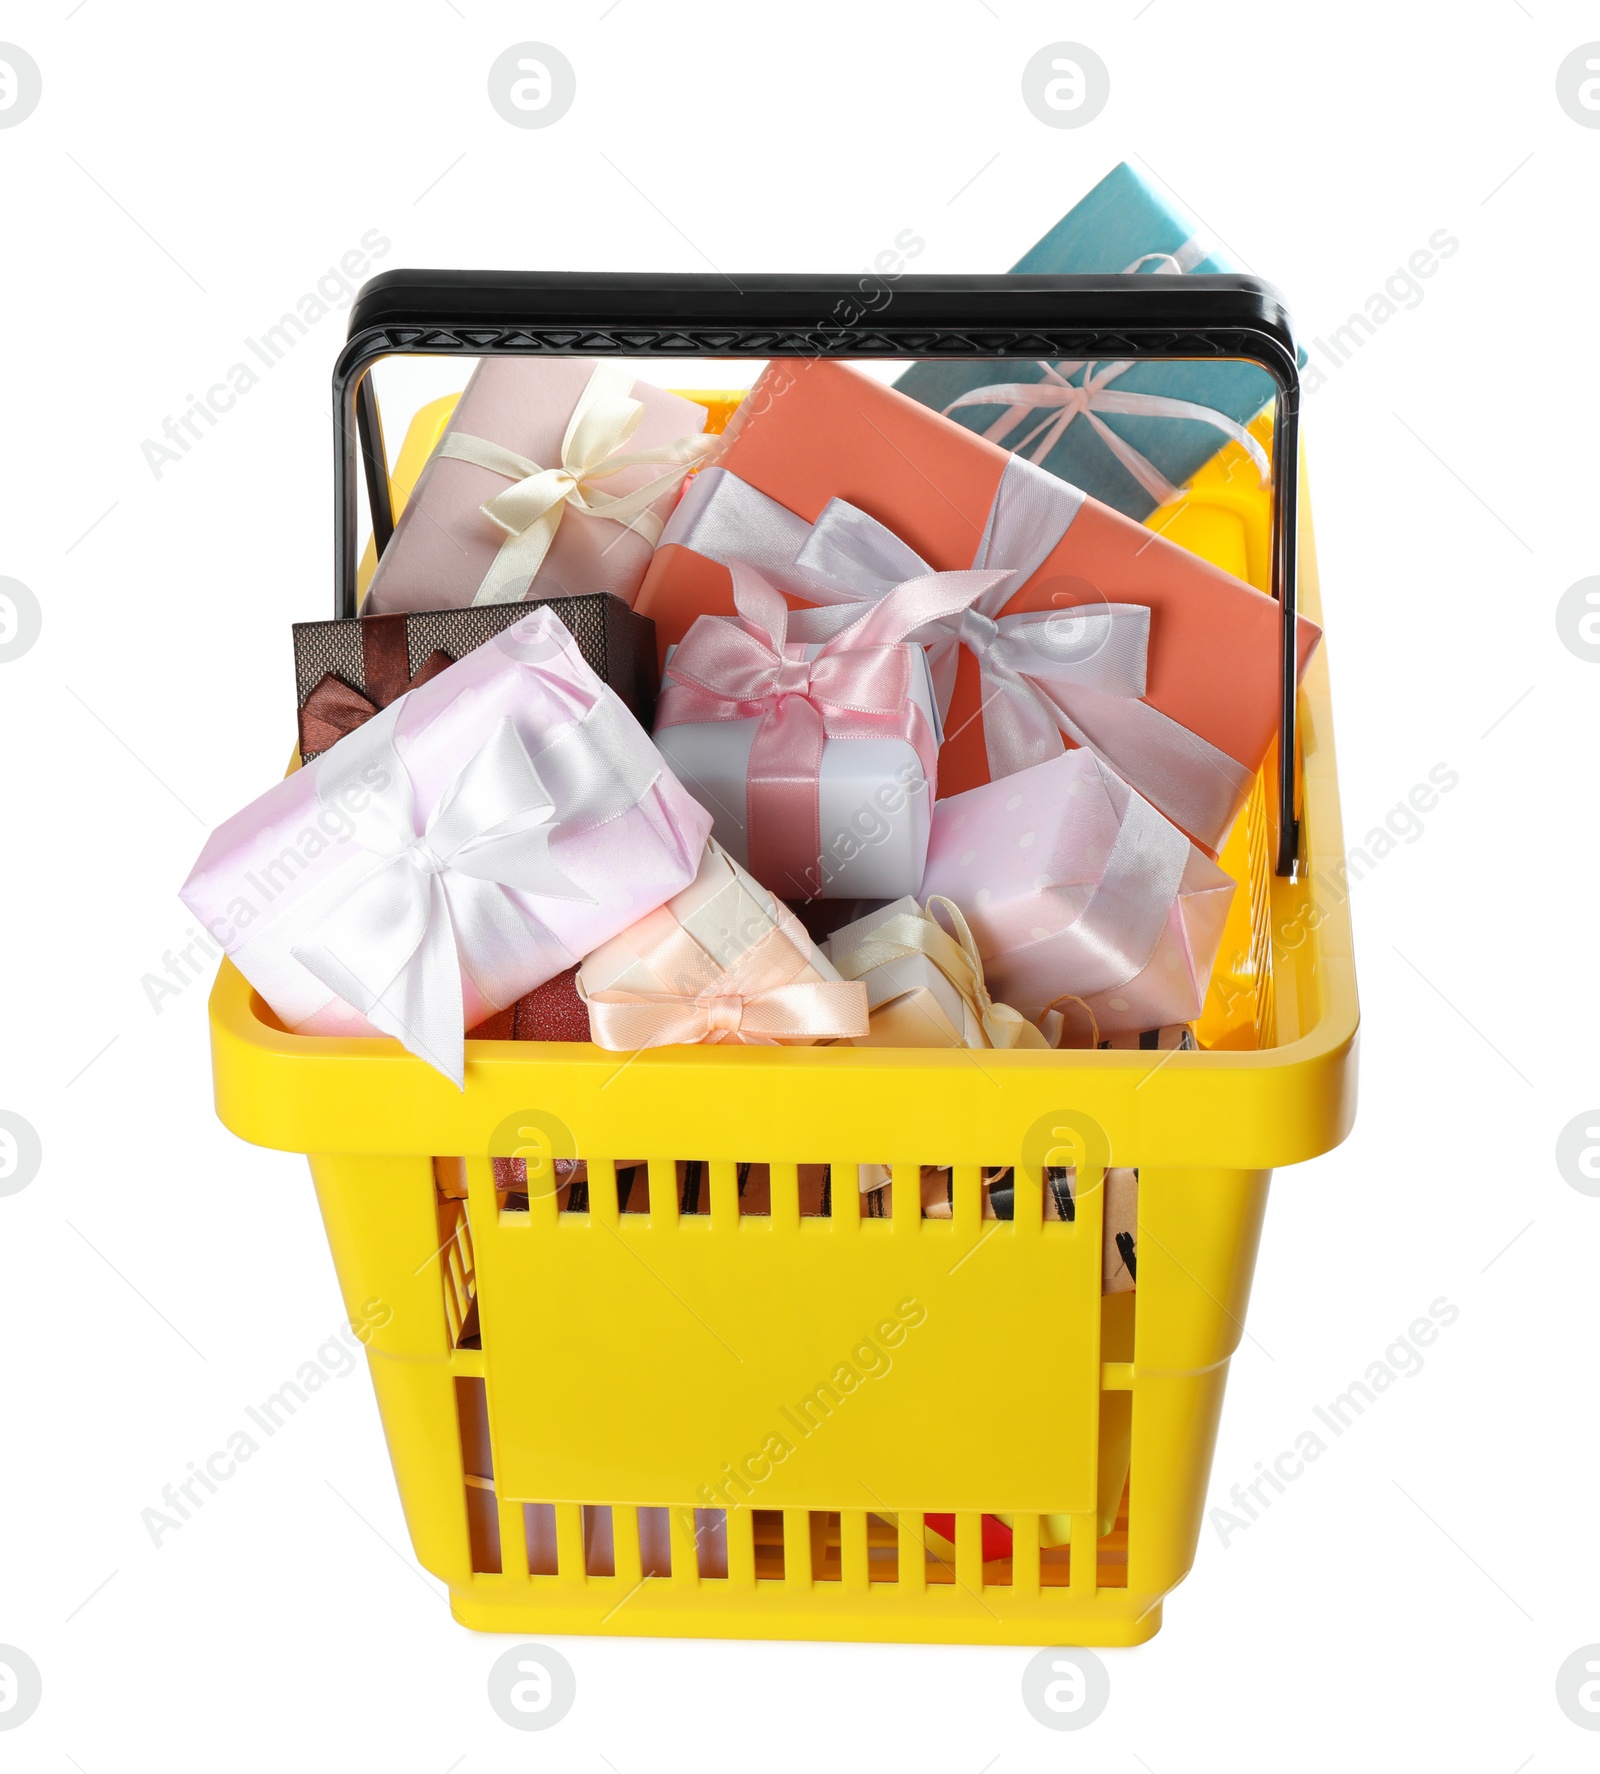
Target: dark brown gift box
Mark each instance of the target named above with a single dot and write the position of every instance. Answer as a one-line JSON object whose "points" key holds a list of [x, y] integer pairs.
{"points": [[346, 671]]}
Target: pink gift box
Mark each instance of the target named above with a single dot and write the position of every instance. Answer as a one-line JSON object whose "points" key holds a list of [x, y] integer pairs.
{"points": [[475, 838], [446, 550], [1076, 887]]}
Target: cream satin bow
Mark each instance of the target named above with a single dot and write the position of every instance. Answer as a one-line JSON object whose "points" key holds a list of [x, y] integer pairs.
{"points": [[957, 958], [530, 511]]}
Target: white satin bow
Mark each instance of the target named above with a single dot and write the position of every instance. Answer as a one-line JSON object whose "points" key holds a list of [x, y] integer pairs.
{"points": [[425, 897], [530, 511]]}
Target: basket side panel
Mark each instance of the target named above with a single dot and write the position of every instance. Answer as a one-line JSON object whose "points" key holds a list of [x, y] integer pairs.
{"points": [[383, 1225], [1175, 1420], [780, 1363], [1199, 1231]]}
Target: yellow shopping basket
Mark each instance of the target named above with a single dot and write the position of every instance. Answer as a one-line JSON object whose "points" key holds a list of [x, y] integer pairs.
{"points": [[640, 1419]]}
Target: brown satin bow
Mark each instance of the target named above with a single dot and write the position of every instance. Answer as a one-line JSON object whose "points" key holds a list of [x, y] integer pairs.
{"points": [[334, 708]]}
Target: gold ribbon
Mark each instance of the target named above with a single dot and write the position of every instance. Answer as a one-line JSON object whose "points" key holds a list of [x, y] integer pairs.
{"points": [[1053, 1023], [957, 958], [531, 509]]}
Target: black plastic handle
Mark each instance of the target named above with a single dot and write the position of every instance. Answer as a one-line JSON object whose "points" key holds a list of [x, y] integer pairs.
{"points": [[597, 314]]}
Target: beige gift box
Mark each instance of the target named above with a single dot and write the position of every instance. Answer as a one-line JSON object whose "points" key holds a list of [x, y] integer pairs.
{"points": [[915, 996]]}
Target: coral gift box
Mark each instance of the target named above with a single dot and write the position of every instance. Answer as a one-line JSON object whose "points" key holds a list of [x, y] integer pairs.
{"points": [[837, 488]]}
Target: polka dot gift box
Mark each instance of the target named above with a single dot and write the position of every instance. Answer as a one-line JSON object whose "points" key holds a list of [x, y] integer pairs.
{"points": [[1075, 886]]}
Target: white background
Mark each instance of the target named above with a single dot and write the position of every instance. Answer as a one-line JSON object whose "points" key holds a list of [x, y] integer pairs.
{"points": [[190, 172]]}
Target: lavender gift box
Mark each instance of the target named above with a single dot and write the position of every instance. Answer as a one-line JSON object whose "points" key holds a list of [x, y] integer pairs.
{"points": [[1075, 887], [557, 473], [479, 835]]}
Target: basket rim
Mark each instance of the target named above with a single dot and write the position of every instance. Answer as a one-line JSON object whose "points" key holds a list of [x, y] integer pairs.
{"points": [[1202, 1109]]}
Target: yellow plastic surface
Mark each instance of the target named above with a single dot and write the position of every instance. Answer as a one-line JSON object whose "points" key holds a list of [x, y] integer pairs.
{"points": [[833, 1379], [1224, 517]]}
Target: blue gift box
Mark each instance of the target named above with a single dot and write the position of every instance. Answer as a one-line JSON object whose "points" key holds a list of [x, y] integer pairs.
{"points": [[1125, 223]]}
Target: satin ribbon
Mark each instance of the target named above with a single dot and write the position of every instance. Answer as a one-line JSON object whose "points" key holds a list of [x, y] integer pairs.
{"points": [[1078, 672], [530, 511], [430, 893], [955, 954], [1053, 1021], [335, 708], [756, 1002], [1063, 401], [1095, 395], [1116, 935], [858, 686]]}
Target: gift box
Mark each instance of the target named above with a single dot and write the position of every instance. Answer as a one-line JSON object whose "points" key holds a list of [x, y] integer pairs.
{"points": [[556, 471], [552, 1011], [1069, 1024], [822, 917], [877, 1192], [1119, 1211], [722, 962], [814, 1190], [924, 980], [1126, 433], [346, 671], [570, 1180], [816, 761], [477, 836], [1076, 888], [1177, 1039], [838, 489]]}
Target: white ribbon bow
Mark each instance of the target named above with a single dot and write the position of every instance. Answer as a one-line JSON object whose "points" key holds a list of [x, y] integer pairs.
{"points": [[1078, 671], [531, 510], [423, 899]]}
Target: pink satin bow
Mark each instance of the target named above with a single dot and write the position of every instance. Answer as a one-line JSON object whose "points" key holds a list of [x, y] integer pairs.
{"points": [[755, 1003], [858, 686]]}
